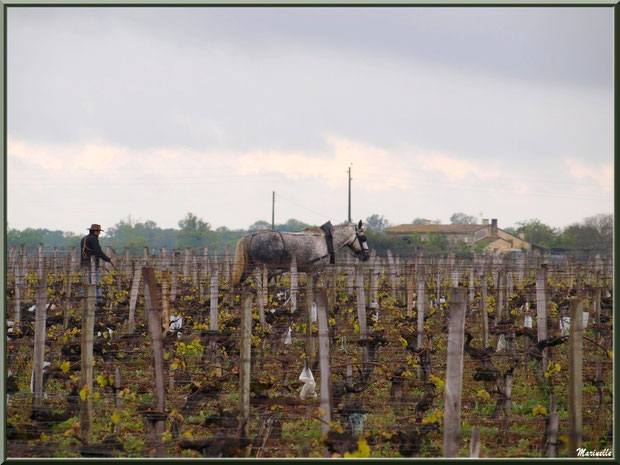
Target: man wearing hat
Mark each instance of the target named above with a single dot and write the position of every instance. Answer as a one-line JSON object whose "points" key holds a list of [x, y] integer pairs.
{"points": [[90, 247]]}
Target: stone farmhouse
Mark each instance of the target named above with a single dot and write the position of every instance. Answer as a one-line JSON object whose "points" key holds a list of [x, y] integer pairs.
{"points": [[487, 235]]}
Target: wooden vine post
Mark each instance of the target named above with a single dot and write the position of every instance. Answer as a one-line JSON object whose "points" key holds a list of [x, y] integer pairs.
{"points": [[117, 399], [165, 301], [133, 298], [214, 291], [454, 374], [294, 284], [245, 365], [541, 312], [310, 348], [175, 276], [410, 288], [186, 265], [86, 374], [19, 279], [552, 428], [361, 314], [484, 314], [155, 421], [260, 284], [324, 361], [420, 298], [39, 343], [575, 377]]}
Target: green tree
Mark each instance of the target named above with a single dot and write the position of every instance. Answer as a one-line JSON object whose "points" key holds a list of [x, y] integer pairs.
{"points": [[377, 222], [595, 232], [293, 225], [259, 226], [424, 221], [194, 232], [539, 233], [462, 218], [191, 223], [436, 243]]}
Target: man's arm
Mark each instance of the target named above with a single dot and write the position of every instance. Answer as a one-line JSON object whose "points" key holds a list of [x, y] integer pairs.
{"points": [[96, 248]]}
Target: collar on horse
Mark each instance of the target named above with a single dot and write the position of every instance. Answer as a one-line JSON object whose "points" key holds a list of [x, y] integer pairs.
{"points": [[329, 238]]}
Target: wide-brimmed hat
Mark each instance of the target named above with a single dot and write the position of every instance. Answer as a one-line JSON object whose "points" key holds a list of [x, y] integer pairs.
{"points": [[95, 227]]}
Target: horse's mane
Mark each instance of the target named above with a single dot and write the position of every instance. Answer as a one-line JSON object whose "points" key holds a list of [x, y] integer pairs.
{"points": [[313, 229]]}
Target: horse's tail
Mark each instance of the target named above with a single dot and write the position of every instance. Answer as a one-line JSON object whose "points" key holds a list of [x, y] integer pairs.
{"points": [[242, 259]]}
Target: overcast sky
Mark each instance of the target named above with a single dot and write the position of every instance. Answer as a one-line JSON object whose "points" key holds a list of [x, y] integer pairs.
{"points": [[151, 113]]}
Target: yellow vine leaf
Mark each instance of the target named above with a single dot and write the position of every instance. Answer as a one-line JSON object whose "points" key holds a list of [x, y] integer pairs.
{"points": [[539, 410], [437, 381], [363, 450], [102, 380], [116, 417], [64, 366]]}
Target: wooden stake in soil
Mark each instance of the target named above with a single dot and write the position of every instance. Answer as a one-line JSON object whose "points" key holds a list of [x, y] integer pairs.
{"points": [[175, 276], [186, 265], [374, 282], [361, 301], [541, 312], [40, 261], [153, 311], [499, 304], [454, 374], [474, 448], [265, 286], [227, 266], [117, 399], [214, 292], [507, 404], [19, 279], [133, 298], [310, 349], [410, 288], [324, 363], [552, 429], [294, 284], [575, 377], [245, 364], [260, 283], [471, 287], [86, 376], [39, 343], [165, 301], [420, 298], [484, 314]]}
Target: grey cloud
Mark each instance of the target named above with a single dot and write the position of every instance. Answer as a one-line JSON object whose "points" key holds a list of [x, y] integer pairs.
{"points": [[281, 78]]}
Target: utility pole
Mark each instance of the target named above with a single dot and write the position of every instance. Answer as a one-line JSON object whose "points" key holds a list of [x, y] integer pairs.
{"points": [[273, 207], [349, 194]]}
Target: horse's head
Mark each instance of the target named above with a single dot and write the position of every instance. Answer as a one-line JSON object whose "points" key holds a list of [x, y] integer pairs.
{"points": [[358, 244]]}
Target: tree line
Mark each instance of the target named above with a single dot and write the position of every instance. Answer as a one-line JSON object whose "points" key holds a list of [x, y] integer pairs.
{"points": [[594, 233]]}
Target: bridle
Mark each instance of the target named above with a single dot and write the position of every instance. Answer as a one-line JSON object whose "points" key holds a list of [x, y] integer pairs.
{"points": [[363, 252]]}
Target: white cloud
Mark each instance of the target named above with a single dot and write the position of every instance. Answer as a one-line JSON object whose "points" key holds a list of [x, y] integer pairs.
{"points": [[374, 168], [95, 157], [454, 167], [601, 173]]}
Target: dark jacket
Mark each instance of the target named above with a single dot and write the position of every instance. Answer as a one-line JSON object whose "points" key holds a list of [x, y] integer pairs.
{"points": [[89, 246]]}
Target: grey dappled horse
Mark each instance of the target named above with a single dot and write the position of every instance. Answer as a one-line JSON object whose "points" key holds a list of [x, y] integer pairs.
{"points": [[312, 248]]}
